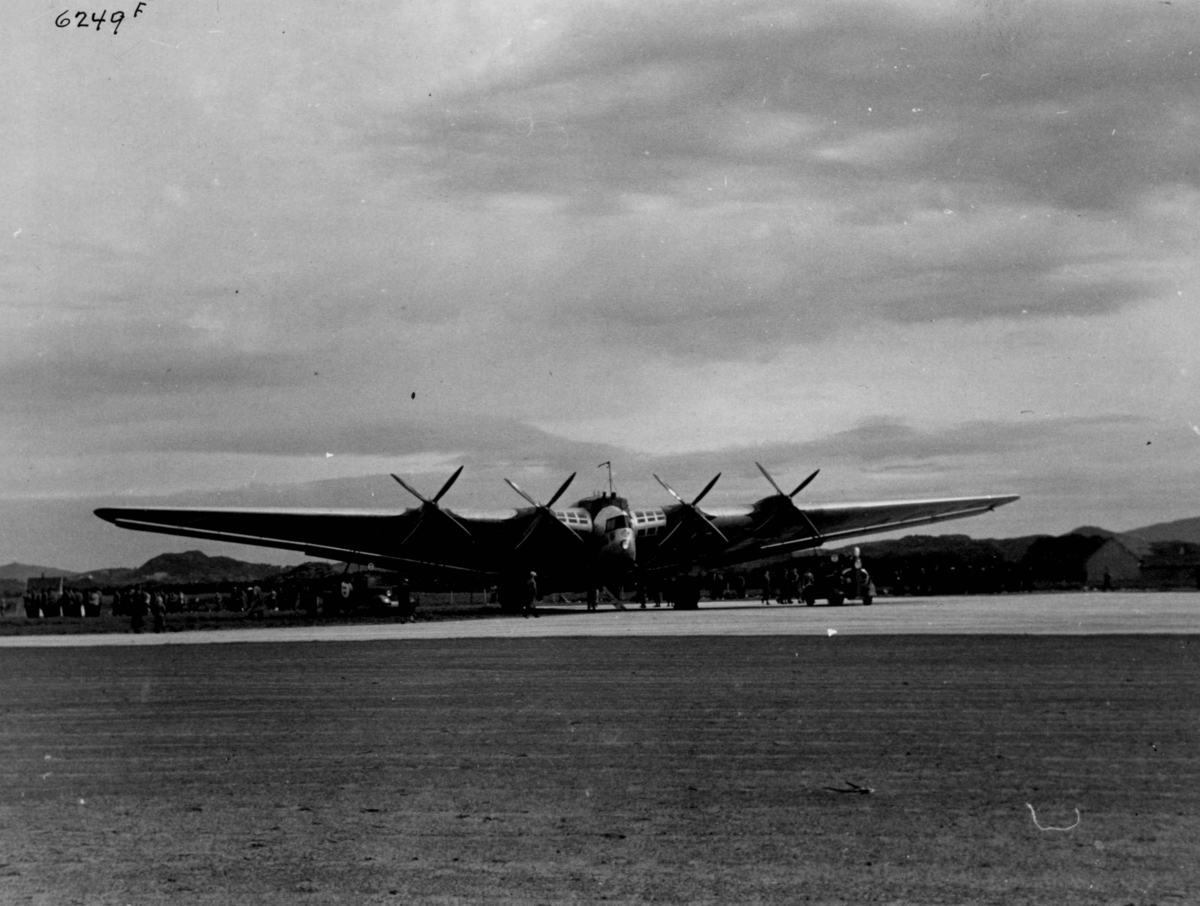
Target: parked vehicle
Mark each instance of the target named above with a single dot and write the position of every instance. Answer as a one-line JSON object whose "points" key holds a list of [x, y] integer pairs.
{"points": [[838, 580]]}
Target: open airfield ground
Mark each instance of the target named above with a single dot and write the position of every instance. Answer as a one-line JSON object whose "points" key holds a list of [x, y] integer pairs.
{"points": [[1017, 749]]}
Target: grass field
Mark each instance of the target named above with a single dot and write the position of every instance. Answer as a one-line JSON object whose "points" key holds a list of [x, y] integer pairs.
{"points": [[672, 770]]}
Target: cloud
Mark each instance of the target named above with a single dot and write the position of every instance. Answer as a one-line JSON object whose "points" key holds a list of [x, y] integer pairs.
{"points": [[475, 437], [632, 100], [745, 178]]}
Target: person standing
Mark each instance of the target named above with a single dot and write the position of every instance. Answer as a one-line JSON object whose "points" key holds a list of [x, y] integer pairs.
{"points": [[408, 610], [137, 610], [158, 609], [531, 594]]}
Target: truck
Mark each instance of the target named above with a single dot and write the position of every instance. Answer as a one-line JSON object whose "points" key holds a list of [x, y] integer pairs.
{"points": [[837, 580]]}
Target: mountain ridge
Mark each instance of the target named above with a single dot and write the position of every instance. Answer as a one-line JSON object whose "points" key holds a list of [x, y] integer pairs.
{"points": [[1177, 530], [22, 572]]}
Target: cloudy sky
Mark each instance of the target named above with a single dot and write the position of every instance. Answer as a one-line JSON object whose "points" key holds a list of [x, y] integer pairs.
{"points": [[933, 248]]}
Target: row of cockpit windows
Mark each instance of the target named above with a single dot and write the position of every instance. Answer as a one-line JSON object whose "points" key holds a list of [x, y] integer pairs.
{"points": [[649, 522], [573, 517], [652, 516], [642, 519]]}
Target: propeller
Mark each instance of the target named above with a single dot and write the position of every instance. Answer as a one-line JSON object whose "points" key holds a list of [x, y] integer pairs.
{"points": [[693, 509], [789, 502], [429, 507], [543, 510]]}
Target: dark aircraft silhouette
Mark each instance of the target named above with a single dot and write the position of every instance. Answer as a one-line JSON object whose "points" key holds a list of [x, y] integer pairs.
{"points": [[600, 540]]}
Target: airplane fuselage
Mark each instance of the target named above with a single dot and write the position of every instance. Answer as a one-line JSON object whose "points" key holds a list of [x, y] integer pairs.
{"points": [[612, 532]]}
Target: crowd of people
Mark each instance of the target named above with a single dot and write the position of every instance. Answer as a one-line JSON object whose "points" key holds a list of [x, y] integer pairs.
{"points": [[71, 602], [786, 586], [148, 606]]}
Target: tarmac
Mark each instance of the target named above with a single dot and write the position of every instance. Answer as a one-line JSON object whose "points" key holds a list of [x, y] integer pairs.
{"points": [[1085, 613], [1014, 749]]}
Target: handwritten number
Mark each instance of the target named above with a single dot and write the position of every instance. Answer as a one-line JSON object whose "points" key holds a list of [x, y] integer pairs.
{"points": [[118, 16]]}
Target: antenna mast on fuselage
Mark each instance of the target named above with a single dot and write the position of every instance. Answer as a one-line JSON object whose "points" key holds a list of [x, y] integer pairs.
{"points": [[611, 490], [601, 499]]}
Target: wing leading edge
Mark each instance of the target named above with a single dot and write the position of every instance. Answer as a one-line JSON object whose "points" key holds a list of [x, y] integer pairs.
{"points": [[838, 522], [353, 536]]}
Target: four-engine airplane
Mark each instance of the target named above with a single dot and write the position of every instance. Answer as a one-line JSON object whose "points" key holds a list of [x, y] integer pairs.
{"points": [[601, 540]]}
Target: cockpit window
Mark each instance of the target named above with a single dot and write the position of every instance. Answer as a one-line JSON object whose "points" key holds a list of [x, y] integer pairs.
{"points": [[617, 522]]}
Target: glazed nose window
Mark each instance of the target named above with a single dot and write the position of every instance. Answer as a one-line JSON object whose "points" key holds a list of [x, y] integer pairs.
{"points": [[617, 522]]}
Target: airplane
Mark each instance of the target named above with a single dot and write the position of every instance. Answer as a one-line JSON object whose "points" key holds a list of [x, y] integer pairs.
{"points": [[602, 540]]}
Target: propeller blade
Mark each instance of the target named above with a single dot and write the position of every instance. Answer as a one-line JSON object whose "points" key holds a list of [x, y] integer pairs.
{"points": [[804, 484], [536, 522], [668, 488], [431, 506], [417, 523], [708, 487], [529, 531], [712, 528], [777, 512], [566, 484], [408, 487], [692, 508], [664, 544], [532, 502], [544, 511], [462, 528], [767, 476], [453, 478]]}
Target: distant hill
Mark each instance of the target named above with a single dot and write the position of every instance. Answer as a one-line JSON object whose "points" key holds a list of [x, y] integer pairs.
{"points": [[1010, 550], [1094, 531], [1180, 530], [195, 566], [117, 575], [190, 567], [23, 571]]}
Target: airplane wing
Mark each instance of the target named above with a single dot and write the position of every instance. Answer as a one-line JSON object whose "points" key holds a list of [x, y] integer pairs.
{"points": [[466, 542], [562, 543], [840, 521], [769, 528]]}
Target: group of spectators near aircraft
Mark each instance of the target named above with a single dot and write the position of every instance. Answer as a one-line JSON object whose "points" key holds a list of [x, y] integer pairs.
{"points": [[137, 602], [785, 587], [148, 606], [71, 602]]}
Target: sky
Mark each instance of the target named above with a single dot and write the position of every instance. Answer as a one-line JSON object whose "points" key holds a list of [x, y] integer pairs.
{"points": [[265, 254]]}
